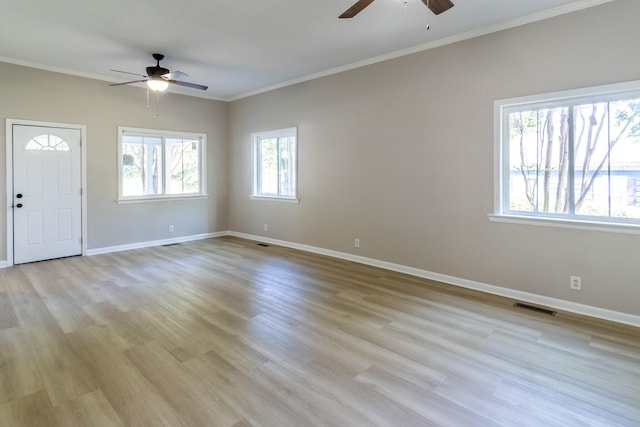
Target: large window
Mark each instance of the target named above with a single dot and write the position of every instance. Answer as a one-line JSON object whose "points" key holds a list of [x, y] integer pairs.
{"points": [[571, 156], [160, 164], [274, 164]]}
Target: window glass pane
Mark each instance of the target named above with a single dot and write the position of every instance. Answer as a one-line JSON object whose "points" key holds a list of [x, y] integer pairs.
{"points": [[132, 168], [268, 155], [538, 160], [287, 166], [591, 152], [523, 160], [625, 158], [141, 166], [47, 142], [183, 166]]}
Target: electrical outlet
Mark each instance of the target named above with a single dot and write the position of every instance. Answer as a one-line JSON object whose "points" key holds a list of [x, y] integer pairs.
{"points": [[356, 243], [266, 227], [171, 228], [575, 283]]}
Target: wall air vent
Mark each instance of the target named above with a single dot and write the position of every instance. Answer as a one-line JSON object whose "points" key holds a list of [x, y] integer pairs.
{"points": [[534, 308]]}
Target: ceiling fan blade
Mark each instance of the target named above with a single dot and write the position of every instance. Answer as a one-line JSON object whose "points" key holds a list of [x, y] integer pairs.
{"points": [[438, 6], [126, 72], [356, 8], [187, 84], [127, 83], [174, 75]]}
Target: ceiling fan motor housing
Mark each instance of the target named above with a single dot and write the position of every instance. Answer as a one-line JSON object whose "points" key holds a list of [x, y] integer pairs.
{"points": [[156, 71]]}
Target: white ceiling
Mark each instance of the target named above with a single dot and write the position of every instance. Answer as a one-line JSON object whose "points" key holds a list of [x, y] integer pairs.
{"points": [[239, 48]]}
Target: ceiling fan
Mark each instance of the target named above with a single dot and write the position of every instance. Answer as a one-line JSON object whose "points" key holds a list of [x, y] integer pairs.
{"points": [[158, 78], [436, 6]]}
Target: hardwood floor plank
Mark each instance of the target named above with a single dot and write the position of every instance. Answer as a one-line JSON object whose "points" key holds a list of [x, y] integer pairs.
{"points": [[19, 377], [8, 318], [424, 402], [367, 354], [65, 376], [262, 406], [184, 392], [491, 406], [34, 410], [14, 342], [146, 409], [102, 352], [313, 399], [130, 326], [364, 398], [557, 408], [35, 319], [91, 409]]}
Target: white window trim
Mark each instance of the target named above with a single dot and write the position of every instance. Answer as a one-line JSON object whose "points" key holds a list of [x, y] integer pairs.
{"points": [[163, 133], [501, 176], [276, 199], [278, 133]]}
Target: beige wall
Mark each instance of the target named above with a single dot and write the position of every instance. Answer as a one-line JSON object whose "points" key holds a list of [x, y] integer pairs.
{"points": [[400, 155], [30, 94]]}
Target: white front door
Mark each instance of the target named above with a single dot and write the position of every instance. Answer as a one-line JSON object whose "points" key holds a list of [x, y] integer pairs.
{"points": [[47, 193]]}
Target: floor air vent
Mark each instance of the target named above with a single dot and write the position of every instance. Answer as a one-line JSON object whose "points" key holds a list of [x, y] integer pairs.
{"points": [[171, 244], [534, 308], [263, 244]]}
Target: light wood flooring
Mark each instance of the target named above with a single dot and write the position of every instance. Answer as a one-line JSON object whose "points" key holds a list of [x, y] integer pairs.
{"points": [[223, 332]]}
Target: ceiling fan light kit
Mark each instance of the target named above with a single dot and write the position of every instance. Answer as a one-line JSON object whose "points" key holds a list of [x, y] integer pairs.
{"points": [[157, 85]]}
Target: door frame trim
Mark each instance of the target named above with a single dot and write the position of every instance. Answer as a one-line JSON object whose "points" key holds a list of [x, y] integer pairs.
{"points": [[9, 123]]}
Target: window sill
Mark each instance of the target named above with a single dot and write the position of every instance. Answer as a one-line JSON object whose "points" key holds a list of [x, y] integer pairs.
{"points": [[160, 199], [275, 199], [574, 224]]}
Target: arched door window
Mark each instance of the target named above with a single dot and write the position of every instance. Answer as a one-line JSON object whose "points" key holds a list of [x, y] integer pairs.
{"points": [[47, 142]]}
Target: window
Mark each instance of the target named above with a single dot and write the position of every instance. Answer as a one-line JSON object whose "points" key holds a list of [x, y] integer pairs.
{"points": [[571, 156], [47, 142], [274, 164], [160, 164]]}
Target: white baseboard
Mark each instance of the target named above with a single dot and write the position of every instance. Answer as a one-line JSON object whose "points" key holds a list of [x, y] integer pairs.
{"points": [[139, 245], [151, 243], [587, 310]]}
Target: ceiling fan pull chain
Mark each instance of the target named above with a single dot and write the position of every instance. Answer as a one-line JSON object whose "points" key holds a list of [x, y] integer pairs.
{"points": [[147, 97], [406, 24], [428, 18]]}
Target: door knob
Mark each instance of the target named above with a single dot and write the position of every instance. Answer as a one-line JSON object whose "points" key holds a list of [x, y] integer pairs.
{"points": [[19, 205], [19, 195]]}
